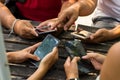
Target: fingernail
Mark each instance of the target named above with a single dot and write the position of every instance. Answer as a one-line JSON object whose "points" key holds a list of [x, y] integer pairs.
{"points": [[83, 56], [38, 58]]}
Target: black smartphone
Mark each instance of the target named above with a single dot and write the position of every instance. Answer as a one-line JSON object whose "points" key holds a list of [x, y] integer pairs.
{"points": [[75, 48], [45, 47]]}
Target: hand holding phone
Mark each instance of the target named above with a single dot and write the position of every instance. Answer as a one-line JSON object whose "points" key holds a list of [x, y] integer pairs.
{"points": [[45, 47], [45, 30], [75, 48]]}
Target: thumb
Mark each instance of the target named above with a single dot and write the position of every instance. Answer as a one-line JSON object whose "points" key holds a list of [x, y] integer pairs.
{"points": [[67, 62], [33, 32], [55, 50], [31, 56], [93, 36], [97, 34], [89, 55], [76, 59]]}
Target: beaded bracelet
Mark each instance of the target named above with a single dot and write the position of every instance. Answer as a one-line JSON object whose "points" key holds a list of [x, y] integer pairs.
{"points": [[12, 28]]}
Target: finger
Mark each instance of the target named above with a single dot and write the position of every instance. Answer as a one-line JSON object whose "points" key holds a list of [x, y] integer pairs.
{"points": [[55, 50], [60, 20], [34, 47], [96, 38], [53, 53], [75, 59], [32, 31], [45, 23], [99, 39], [97, 34], [89, 55], [69, 23], [67, 62], [31, 56], [96, 64]]}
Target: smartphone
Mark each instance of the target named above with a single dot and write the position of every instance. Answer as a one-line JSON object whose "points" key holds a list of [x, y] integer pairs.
{"points": [[45, 30], [75, 48], [83, 34], [45, 47]]}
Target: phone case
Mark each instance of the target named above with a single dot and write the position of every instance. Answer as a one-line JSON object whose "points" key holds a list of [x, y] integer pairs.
{"points": [[46, 46], [83, 34]]}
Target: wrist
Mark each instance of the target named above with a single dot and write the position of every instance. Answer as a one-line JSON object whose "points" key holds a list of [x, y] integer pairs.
{"points": [[9, 56], [13, 26], [37, 75], [72, 76], [115, 32]]}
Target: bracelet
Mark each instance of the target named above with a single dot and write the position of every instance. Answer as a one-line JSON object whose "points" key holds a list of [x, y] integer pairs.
{"points": [[12, 28]]}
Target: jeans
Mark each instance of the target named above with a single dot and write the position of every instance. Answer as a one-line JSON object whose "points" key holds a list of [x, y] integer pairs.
{"points": [[105, 22]]}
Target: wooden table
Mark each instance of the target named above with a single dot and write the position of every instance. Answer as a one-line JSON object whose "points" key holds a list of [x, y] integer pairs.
{"points": [[24, 70]]}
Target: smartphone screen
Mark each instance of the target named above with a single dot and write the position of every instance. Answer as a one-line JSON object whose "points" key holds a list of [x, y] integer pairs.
{"points": [[75, 48], [45, 47]]}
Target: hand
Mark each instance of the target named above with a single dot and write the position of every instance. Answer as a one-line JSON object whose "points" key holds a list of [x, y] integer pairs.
{"points": [[101, 35], [45, 64], [51, 23], [71, 67], [23, 55], [67, 16], [49, 59], [25, 29], [96, 59]]}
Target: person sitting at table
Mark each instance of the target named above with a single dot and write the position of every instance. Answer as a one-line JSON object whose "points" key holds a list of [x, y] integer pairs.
{"points": [[36, 10], [108, 65], [106, 16], [25, 54]]}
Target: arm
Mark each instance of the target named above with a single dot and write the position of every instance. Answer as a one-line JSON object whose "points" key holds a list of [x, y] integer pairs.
{"points": [[111, 66], [104, 34], [45, 64], [21, 27], [70, 11], [22, 55], [85, 7], [6, 16]]}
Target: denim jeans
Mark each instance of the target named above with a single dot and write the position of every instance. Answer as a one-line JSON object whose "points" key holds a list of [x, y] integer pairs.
{"points": [[105, 22]]}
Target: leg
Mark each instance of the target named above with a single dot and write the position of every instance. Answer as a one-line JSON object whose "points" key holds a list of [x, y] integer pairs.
{"points": [[111, 67], [102, 22]]}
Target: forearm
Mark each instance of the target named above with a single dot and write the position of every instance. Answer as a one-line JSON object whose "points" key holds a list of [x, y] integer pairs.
{"points": [[38, 74], [115, 32], [86, 7], [6, 16], [67, 3]]}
